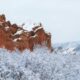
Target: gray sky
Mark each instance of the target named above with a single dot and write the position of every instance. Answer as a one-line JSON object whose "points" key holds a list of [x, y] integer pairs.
{"points": [[60, 17]]}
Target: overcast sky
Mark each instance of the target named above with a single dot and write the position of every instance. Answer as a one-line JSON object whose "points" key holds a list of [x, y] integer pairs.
{"points": [[60, 17]]}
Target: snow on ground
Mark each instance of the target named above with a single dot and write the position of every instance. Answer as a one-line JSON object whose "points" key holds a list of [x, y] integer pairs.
{"points": [[62, 64]]}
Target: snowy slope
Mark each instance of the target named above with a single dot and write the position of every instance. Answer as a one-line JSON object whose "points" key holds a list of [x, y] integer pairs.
{"points": [[62, 64]]}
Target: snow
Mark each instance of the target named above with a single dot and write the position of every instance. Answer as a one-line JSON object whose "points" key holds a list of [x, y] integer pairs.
{"points": [[34, 36], [7, 28], [18, 32], [38, 29], [16, 39], [40, 64]]}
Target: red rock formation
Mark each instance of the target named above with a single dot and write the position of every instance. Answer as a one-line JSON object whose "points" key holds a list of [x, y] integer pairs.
{"points": [[12, 36], [2, 18]]}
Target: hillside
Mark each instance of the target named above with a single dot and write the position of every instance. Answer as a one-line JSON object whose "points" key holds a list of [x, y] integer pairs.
{"points": [[62, 64]]}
